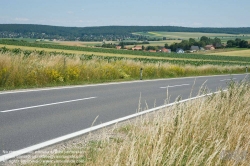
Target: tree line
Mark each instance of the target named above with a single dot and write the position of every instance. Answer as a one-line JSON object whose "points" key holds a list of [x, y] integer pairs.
{"points": [[216, 42], [238, 43], [99, 33]]}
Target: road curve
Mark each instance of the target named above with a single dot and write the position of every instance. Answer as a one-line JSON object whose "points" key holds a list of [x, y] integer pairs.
{"points": [[30, 117]]}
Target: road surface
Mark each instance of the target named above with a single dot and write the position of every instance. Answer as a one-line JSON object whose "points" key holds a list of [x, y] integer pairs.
{"points": [[30, 117]]}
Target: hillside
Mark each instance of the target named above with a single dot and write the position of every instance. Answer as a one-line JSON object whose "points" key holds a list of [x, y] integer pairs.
{"points": [[98, 33]]}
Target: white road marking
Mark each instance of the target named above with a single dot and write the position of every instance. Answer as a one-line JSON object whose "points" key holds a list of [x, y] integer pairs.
{"points": [[229, 79], [105, 84], [81, 132], [44, 105], [174, 86]]}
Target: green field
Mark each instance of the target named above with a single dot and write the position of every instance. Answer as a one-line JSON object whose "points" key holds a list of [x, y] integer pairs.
{"points": [[193, 59], [84, 52], [196, 35]]}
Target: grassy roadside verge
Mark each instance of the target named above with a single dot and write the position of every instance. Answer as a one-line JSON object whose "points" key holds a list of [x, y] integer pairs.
{"points": [[26, 69], [208, 131]]}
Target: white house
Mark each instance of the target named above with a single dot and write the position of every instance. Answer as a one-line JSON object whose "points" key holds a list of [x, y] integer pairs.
{"points": [[179, 51]]}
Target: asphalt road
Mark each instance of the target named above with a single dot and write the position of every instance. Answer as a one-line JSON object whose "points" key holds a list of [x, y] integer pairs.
{"points": [[30, 117]]}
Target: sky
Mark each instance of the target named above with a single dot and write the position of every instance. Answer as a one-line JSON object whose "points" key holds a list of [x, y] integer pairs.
{"points": [[89, 13]]}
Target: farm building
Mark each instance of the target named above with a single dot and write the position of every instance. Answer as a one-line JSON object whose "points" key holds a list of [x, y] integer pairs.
{"points": [[194, 48], [118, 47], [218, 45], [209, 47], [137, 48], [165, 50], [202, 49], [151, 50], [179, 51]]}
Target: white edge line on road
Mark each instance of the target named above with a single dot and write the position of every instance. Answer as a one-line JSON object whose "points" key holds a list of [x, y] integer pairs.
{"points": [[105, 84], [44, 105], [79, 133], [174, 86]]}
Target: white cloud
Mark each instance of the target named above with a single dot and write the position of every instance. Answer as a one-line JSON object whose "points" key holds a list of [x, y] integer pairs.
{"points": [[70, 12]]}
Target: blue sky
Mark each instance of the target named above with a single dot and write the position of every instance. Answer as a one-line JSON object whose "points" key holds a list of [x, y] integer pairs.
{"points": [[86, 13]]}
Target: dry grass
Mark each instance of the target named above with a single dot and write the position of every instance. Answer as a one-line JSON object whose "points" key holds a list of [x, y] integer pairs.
{"points": [[35, 70], [208, 131], [78, 43]]}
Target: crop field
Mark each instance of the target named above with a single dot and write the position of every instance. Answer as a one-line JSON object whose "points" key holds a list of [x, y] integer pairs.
{"points": [[245, 53], [193, 59], [186, 35], [79, 43], [93, 44], [90, 53], [222, 51]]}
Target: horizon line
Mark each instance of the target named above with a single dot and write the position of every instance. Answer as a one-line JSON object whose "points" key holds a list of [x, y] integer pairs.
{"points": [[115, 26]]}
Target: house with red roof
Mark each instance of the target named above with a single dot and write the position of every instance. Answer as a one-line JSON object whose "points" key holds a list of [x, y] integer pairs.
{"points": [[209, 47], [137, 48]]}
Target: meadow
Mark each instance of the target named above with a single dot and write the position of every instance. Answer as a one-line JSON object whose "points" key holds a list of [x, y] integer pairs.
{"points": [[214, 130], [26, 69]]}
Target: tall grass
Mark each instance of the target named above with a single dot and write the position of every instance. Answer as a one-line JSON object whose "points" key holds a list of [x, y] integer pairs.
{"points": [[208, 131], [20, 69]]}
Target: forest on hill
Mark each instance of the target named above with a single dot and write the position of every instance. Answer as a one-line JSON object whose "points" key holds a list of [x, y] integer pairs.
{"points": [[99, 33]]}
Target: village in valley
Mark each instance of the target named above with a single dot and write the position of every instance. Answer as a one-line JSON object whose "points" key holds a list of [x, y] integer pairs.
{"points": [[178, 50], [185, 46]]}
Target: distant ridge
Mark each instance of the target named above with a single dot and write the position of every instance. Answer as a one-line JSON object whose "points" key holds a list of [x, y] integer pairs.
{"points": [[38, 31], [20, 28]]}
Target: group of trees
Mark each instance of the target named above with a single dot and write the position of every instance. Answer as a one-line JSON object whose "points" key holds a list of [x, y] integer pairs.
{"points": [[216, 42], [186, 44], [108, 45], [124, 43], [238, 43]]}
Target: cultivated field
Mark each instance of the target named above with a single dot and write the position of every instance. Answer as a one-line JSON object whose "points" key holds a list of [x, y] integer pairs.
{"points": [[196, 35], [181, 59], [245, 53], [79, 43], [94, 44], [91, 53]]}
